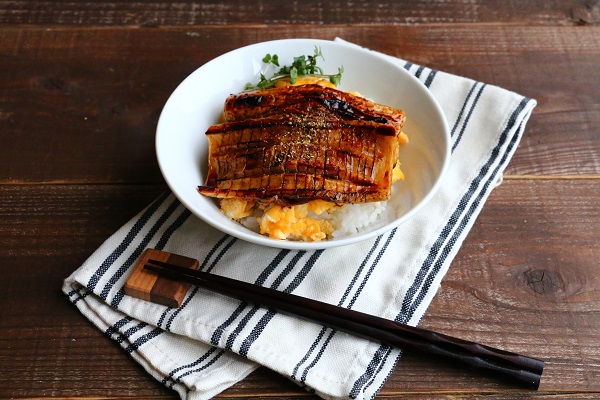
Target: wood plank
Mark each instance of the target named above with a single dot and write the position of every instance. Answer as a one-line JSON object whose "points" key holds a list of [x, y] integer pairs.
{"points": [[153, 13], [84, 103], [72, 221], [525, 279], [46, 232], [529, 267]]}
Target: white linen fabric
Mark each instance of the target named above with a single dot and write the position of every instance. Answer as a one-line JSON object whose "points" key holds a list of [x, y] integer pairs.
{"points": [[212, 342]]}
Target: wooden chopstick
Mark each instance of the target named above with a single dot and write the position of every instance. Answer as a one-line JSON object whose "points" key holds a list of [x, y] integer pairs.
{"points": [[518, 369]]}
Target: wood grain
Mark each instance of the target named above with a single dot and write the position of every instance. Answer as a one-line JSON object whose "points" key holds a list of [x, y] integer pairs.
{"points": [[36, 219], [82, 84], [84, 103], [269, 12], [525, 280], [503, 266], [149, 286]]}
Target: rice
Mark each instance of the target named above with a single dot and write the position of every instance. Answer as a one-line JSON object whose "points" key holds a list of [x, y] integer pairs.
{"points": [[352, 219]]}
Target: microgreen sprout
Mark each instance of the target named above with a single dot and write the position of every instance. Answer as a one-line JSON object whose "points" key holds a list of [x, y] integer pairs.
{"points": [[304, 65]]}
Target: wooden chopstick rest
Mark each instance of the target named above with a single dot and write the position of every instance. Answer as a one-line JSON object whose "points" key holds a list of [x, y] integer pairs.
{"points": [[150, 286]]}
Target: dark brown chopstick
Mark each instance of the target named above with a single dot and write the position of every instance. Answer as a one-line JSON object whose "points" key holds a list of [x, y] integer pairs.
{"points": [[518, 369]]}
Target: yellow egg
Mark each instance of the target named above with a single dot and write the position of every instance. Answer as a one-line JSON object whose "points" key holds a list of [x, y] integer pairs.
{"points": [[236, 208], [402, 138], [306, 80], [397, 173], [320, 206], [292, 222]]}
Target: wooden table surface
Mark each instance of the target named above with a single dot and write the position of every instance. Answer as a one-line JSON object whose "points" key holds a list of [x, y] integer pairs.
{"points": [[82, 85]]}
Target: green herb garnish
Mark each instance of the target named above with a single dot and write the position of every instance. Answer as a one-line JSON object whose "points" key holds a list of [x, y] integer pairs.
{"points": [[305, 65]]}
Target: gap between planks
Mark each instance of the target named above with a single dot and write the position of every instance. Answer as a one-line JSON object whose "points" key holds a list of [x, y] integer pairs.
{"points": [[141, 183], [532, 24], [65, 182], [552, 177]]}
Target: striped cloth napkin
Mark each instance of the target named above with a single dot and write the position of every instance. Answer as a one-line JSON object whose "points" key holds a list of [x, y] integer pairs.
{"points": [[211, 342]]}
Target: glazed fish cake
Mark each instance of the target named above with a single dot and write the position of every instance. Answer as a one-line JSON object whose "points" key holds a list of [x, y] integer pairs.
{"points": [[300, 143]]}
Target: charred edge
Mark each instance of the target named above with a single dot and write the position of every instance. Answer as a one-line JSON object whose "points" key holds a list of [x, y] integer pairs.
{"points": [[294, 197], [351, 112], [249, 101]]}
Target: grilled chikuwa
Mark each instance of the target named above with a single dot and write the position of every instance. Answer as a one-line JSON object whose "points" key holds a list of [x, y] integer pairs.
{"points": [[295, 144]]}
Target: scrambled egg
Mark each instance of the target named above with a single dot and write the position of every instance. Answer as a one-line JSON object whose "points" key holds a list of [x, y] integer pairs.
{"points": [[237, 208], [305, 80], [397, 173], [293, 222], [284, 222]]}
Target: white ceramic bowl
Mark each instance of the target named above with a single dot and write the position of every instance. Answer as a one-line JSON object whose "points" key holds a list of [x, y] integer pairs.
{"points": [[197, 103]]}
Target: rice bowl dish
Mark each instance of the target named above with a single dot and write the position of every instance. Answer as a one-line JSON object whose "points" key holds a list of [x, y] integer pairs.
{"points": [[183, 153]]}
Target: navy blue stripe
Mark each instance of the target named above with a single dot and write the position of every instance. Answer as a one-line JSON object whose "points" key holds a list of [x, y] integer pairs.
{"points": [[454, 219], [512, 143], [373, 265], [252, 311], [241, 325], [458, 139], [359, 270], [213, 250], [310, 351], [407, 304], [162, 242], [139, 249], [117, 326], [205, 366], [125, 335], [186, 366], [303, 272], [260, 326], [159, 246], [462, 109], [382, 363], [220, 255], [135, 229], [209, 255], [374, 366], [419, 71], [470, 212], [430, 77], [318, 356], [408, 65], [216, 336], [201, 267], [80, 295], [321, 333], [352, 301], [287, 271], [390, 370], [260, 280], [434, 250], [191, 295], [139, 342], [354, 297]]}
